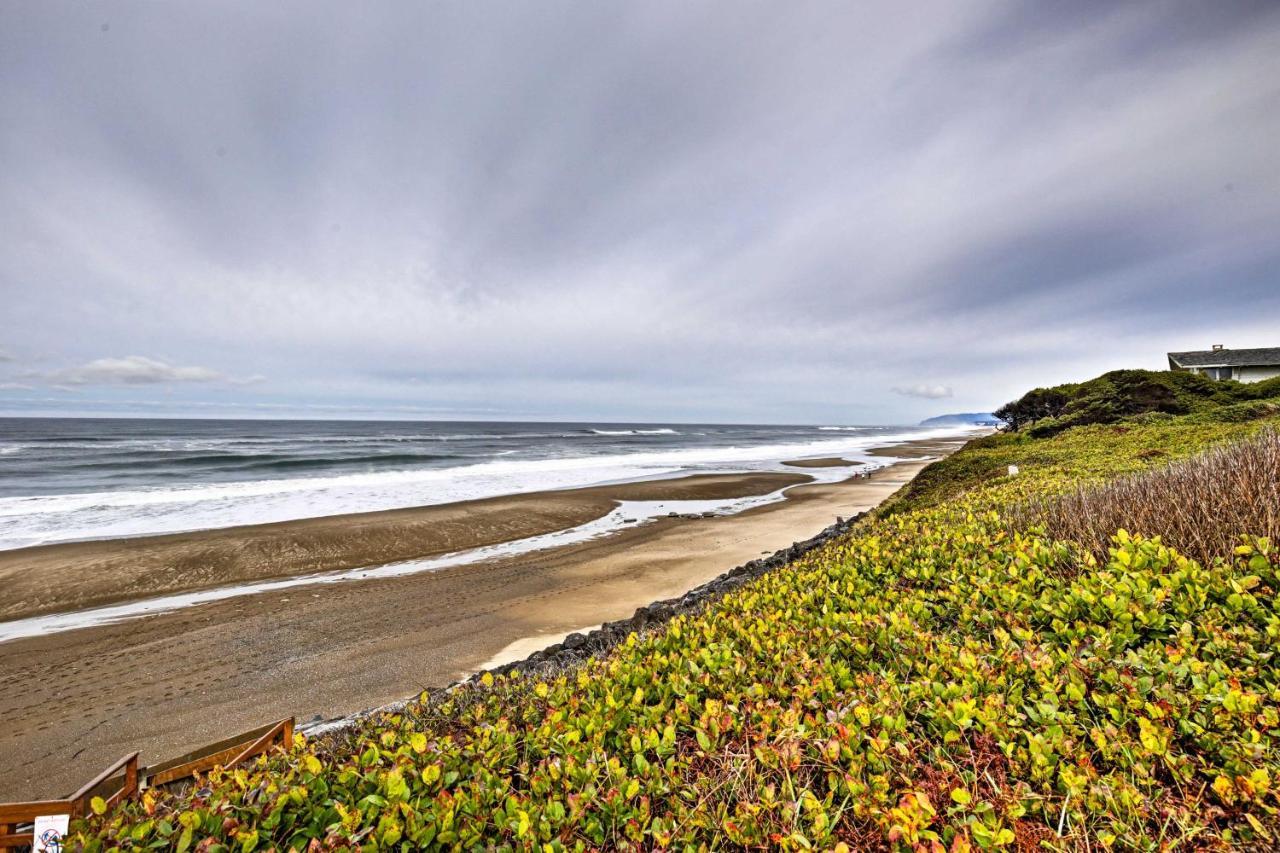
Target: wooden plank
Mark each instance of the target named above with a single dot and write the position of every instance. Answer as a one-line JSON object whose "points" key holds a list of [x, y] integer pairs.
{"points": [[29, 811], [191, 768], [10, 837], [22, 839], [202, 759], [263, 743], [14, 814]]}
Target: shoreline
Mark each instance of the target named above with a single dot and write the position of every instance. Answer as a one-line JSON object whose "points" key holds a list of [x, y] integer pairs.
{"points": [[65, 577], [170, 682]]}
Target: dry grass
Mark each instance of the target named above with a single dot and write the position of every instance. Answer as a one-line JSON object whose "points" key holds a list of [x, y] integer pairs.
{"points": [[1200, 506]]}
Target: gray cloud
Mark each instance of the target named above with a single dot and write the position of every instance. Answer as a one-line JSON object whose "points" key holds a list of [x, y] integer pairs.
{"points": [[640, 211]]}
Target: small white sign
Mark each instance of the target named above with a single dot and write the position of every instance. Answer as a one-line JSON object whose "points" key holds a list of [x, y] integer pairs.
{"points": [[50, 832], [1013, 470]]}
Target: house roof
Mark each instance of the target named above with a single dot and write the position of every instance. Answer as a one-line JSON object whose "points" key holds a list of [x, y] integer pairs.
{"points": [[1265, 357]]}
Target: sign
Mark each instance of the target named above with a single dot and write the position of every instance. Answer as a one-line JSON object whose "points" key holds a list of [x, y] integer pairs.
{"points": [[50, 832]]}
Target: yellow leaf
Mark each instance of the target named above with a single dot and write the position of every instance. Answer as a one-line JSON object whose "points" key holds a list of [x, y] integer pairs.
{"points": [[98, 805]]}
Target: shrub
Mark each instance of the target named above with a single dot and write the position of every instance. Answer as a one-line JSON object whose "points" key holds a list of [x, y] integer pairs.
{"points": [[1125, 394], [1035, 405], [1240, 412], [1200, 505]]}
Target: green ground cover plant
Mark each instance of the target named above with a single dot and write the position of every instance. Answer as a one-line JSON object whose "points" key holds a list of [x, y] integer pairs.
{"points": [[939, 679]]}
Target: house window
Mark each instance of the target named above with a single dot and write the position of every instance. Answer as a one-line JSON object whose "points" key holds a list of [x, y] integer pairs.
{"points": [[1218, 372]]}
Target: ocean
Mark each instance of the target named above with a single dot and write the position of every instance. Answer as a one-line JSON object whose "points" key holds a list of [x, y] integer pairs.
{"points": [[69, 479]]}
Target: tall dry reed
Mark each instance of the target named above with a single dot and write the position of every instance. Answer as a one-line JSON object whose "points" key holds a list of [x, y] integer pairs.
{"points": [[1200, 506]]}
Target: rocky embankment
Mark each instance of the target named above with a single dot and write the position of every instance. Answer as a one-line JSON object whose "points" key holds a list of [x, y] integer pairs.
{"points": [[577, 647]]}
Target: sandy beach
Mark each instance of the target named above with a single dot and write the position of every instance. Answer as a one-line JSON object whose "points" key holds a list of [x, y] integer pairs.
{"points": [[75, 575], [74, 701]]}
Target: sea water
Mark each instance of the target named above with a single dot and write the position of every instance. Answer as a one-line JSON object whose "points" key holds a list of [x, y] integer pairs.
{"points": [[70, 479]]}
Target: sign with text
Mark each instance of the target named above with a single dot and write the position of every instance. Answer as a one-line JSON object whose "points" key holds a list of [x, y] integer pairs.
{"points": [[50, 832]]}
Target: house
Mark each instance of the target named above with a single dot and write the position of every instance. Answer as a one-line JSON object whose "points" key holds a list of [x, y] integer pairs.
{"points": [[1242, 365]]}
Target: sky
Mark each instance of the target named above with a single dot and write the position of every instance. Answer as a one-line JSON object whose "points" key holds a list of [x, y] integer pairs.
{"points": [[659, 211]]}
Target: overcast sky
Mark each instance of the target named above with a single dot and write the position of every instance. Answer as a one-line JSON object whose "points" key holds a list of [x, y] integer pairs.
{"points": [[773, 212]]}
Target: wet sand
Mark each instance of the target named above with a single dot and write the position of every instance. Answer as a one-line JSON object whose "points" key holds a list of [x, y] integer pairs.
{"points": [[75, 701], [824, 462], [75, 575]]}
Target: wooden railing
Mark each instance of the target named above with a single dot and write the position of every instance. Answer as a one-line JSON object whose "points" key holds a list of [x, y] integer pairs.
{"points": [[227, 753], [16, 818], [16, 815]]}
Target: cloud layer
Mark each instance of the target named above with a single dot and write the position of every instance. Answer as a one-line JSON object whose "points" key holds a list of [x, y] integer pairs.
{"points": [[131, 370], [635, 211], [925, 391]]}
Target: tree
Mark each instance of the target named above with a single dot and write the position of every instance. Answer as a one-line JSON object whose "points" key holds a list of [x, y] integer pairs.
{"points": [[1033, 406]]}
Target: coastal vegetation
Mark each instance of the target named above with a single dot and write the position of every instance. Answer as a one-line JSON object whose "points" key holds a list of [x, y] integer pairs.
{"points": [[1122, 394], [989, 661]]}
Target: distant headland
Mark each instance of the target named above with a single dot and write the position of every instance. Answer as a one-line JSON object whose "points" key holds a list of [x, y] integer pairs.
{"points": [[966, 418]]}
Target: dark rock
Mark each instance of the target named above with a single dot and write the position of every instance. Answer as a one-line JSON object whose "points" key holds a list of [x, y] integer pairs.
{"points": [[574, 641]]}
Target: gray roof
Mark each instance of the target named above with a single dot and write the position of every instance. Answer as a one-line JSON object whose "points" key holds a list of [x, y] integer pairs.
{"points": [[1265, 357]]}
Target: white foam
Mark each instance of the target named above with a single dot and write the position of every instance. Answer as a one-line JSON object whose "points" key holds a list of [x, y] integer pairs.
{"points": [[847, 428], [663, 431], [44, 519]]}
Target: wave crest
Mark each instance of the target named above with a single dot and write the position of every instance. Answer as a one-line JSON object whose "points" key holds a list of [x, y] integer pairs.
{"points": [[662, 431]]}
